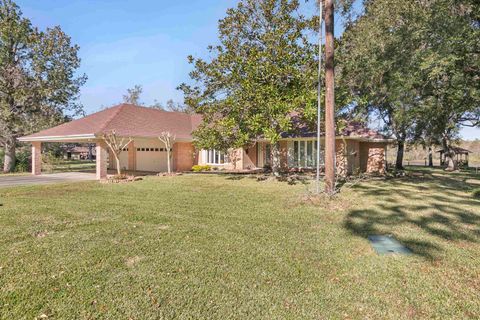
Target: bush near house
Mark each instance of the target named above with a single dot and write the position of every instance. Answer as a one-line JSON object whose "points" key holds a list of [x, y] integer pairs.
{"points": [[200, 168]]}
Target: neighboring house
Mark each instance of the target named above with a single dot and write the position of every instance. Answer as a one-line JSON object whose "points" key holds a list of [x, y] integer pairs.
{"points": [[358, 148], [77, 152]]}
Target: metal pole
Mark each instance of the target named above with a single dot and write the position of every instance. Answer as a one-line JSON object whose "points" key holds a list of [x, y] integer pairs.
{"points": [[319, 93]]}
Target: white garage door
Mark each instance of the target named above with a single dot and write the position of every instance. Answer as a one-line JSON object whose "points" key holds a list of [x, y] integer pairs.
{"points": [[123, 160], [151, 158]]}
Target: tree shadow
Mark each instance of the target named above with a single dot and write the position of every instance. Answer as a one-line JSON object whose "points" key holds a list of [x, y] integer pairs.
{"points": [[403, 207]]}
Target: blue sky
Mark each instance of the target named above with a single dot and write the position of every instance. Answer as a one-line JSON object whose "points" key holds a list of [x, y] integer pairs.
{"points": [[124, 43]]}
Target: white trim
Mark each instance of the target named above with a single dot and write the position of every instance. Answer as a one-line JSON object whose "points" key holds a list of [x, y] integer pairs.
{"points": [[299, 162], [226, 160], [58, 138], [362, 139]]}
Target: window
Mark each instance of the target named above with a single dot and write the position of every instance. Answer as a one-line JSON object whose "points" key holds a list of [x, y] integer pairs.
{"points": [[304, 154], [216, 157]]}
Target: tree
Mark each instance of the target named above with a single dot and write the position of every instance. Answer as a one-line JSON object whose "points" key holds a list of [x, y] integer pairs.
{"points": [[171, 106], [262, 71], [133, 95], [168, 140], [450, 72], [379, 75], [116, 145], [38, 78], [329, 99], [415, 64]]}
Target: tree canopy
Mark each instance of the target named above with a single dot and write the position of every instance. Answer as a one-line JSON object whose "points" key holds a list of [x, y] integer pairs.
{"points": [[262, 70], [415, 65], [39, 83]]}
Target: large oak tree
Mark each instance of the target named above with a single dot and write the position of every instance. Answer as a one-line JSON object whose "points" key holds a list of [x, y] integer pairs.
{"points": [[39, 85], [415, 64]]}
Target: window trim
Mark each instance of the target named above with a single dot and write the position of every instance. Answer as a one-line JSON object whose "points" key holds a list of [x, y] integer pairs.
{"points": [[301, 146], [210, 156]]}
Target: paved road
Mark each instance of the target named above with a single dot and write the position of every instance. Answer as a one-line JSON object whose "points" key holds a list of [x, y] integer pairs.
{"points": [[12, 180]]}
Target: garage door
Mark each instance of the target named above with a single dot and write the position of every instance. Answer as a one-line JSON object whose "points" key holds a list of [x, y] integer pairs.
{"points": [[123, 160], [151, 158]]}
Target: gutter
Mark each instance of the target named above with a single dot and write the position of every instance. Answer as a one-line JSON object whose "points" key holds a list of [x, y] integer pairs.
{"points": [[58, 138]]}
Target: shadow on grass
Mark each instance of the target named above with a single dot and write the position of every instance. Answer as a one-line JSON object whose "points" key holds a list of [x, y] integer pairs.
{"points": [[429, 202]]}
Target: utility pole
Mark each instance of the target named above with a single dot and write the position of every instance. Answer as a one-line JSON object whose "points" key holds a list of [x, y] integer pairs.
{"points": [[329, 99], [319, 92]]}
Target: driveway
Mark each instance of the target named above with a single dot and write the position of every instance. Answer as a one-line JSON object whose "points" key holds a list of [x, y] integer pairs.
{"points": [[12, 180]]}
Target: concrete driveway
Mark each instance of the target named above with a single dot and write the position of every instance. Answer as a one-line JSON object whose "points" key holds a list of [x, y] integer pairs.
{"points": [[13, 180]]}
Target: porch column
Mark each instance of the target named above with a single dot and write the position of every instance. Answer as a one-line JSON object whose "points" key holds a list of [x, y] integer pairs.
{"points": [[36, 158], [101, 160]]}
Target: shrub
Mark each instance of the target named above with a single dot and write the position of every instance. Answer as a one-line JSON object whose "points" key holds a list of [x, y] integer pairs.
{"points": [[23, 160], [476, 193], [50, 161], [199, 168], [119, 177]]}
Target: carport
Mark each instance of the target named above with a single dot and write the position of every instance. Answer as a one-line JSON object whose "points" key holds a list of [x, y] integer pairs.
{"points": [[101, 150], [142, 125]]}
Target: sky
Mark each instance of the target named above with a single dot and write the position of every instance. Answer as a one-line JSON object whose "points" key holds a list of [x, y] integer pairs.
{"points": [[124, 43]]}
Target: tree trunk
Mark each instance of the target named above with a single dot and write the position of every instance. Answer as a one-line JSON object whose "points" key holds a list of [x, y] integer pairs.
{"points": [[430, 157], [10, 159], [168, 161], [90, 152], [400, 152], [449, 155], [276, 158], [119, 170], [329, 99]]}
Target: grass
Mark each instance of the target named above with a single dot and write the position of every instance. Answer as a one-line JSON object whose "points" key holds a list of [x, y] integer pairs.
{"points": [[71, 165], [219, 247]]}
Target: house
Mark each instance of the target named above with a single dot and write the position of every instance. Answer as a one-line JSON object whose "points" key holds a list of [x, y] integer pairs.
{"points": [[74, 152], [357, 148]]}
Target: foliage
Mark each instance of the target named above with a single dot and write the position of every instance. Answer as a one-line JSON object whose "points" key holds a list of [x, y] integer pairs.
{"points": [[200, 168], [172, 106], [133, 95], [50, 161], [39, 80], [476, 193], [377, 73], [450, 72], [262, 71], [24, 162], [426, 90]]}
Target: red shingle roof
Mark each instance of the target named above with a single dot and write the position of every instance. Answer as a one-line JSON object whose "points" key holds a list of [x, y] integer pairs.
{"points": [[128, 121], [352, 129]]}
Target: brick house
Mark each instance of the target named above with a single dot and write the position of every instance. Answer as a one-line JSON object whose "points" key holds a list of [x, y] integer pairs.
{"points": [[359, 149]]}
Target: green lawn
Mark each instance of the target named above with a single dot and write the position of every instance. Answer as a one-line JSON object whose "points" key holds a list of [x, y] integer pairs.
{"points": [[70, 165], [218, 247]]}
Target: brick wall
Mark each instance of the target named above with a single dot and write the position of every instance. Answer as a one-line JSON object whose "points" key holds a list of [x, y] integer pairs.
{"points": [[184, 156], [372, 157], [341, 158]]}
